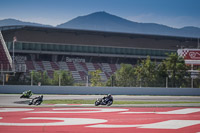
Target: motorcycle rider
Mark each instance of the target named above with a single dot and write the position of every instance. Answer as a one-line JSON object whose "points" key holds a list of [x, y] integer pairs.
{"points": [[29, 92], [40, 98], [36, 99], [26, 94], [107, 98]]}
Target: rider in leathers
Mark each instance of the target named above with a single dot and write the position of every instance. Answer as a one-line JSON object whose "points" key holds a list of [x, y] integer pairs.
{"points": [[107, 98]]}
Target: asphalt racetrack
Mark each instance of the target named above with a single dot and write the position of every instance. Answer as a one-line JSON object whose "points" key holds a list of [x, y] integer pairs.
{"points": [[17, 116], [13, 100]]}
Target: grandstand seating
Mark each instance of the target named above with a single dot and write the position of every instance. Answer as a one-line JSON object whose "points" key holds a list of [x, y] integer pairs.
{"points": [[76, 75], [107, 75], [29, 65], [71, 66], [5, 64], [50, 73], [90, 66], [82, 75], [84, 65], [47, 65], [103, 76], [63, 66], [106, 67], [38, 65], [113, 67], [97, 66], [78, 67], [54, 66], [79, 70]]}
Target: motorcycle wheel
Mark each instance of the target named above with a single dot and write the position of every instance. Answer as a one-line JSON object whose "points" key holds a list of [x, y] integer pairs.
{"points": [[30, 103], [97, 103], [109, 103], [38, 103]]}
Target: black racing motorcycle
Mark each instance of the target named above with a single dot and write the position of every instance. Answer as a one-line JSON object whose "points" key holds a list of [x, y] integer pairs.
{"points": [[104, 101], [36, 101]]}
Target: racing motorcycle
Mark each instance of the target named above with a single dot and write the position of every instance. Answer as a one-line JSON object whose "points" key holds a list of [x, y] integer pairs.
{"points": [[26, 94], [36, 100], [104, 101]]}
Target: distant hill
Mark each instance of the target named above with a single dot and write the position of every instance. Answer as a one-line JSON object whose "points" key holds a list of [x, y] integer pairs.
{"points": [[9, 22], [103, 21]]}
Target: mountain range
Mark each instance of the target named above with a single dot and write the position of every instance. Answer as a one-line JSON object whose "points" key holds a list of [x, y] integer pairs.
{"points": [[103, 21], [10, 22]]}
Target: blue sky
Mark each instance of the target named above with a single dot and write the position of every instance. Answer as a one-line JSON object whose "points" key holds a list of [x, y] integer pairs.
{"points": [[174, 13]]}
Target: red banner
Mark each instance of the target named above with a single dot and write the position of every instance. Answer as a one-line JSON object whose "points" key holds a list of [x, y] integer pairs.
{"points": [[189, 54]]}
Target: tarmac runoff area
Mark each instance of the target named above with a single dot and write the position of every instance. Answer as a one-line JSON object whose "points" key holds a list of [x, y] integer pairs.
{"points": [[17, 116], [100, 120], [13, 100]]}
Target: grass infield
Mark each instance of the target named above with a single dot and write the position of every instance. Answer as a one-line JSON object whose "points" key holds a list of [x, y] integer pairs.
{"points": [[115, 102]]}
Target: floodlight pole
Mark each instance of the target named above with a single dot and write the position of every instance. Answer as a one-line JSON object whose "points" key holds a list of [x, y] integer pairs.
{"points": [[192, 83], [3, 79], [31, 79], [192, 80], [166, 82], [13, 63], [59, 78], [87, 79]]}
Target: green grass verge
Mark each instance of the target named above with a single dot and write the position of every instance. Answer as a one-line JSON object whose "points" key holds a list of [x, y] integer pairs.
{"points": [[68, 101], [115, 102]]}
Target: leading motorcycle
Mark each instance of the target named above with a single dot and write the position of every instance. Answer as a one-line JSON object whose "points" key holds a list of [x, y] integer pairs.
{"points": [[26, 94], [104, 101]]}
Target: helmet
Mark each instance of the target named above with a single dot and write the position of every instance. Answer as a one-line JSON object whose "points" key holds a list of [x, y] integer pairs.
{"points": [[109, 95]]}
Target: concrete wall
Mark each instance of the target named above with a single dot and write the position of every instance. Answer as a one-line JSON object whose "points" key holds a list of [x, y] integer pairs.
{"points": [[11, 89]]}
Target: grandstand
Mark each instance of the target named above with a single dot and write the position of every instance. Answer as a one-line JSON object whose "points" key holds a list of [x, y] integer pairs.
{"points": [[81, 51], [5, 58]]}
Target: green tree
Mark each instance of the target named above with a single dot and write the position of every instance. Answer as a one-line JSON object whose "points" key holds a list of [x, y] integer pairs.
{"points": [[197, 80], [146, 72], [36, 77], [111, 81], [162, 74], [95, 78], [176, 69], [45, 79], [125, 76], [65, 78]]}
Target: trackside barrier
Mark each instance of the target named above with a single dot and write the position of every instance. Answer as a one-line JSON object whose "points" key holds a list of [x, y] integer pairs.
{"points": [[12, 89]]}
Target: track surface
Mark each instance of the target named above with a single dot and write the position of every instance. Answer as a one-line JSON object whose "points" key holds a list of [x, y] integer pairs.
{"points": [[100, 120], [14, 100]]}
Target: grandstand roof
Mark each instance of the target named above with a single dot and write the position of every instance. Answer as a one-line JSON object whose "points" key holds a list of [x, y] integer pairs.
{"points": [[95, 38]]}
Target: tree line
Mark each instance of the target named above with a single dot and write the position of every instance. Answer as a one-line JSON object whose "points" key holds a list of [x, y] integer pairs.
{"points": [[171, 72]]}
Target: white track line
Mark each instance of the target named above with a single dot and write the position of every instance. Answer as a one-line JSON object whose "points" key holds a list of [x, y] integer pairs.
{"points": [[170, 124], [179, 111]]}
